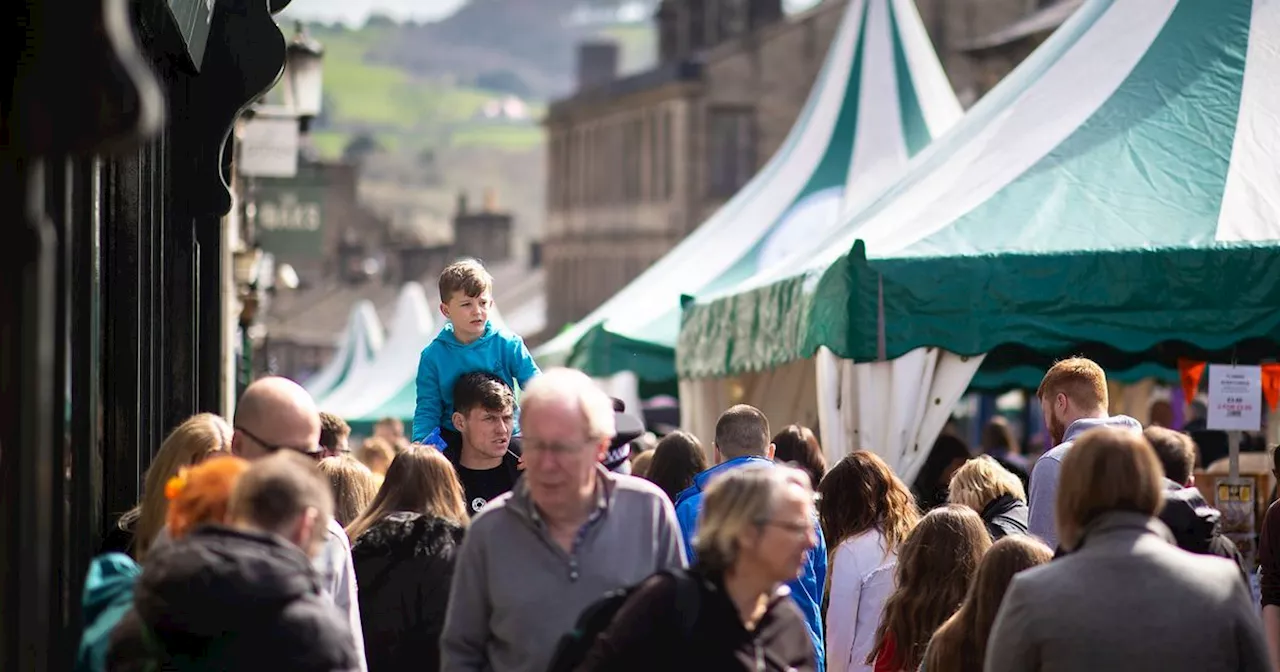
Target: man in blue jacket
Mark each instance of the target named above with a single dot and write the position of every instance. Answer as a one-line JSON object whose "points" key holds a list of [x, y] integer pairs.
{"points": [[742, 438]]}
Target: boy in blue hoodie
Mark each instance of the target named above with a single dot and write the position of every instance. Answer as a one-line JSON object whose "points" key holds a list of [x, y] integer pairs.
{"points": [[467, 343]]}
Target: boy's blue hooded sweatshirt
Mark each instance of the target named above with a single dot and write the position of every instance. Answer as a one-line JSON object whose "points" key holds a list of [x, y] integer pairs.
{"points": [[806, 590], [497, 351], [108, 594]]}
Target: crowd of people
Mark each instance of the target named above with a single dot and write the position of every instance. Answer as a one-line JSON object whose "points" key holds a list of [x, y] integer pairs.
{"points": [[268, 543]]}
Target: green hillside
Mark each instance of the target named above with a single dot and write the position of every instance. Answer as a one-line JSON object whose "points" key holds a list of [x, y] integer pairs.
{"points": [[403, 111]]}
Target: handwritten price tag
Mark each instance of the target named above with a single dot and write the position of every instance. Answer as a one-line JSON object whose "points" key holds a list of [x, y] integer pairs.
{"points": [[1235, 398]]}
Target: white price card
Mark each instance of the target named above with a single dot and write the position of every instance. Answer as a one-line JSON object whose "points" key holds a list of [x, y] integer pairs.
{"points": [[1235, 398]]}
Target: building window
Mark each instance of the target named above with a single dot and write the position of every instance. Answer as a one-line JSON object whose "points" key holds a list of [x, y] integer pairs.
{"points": [[697, 25], [732, 150], [668, 152], [633, 147], [731, 19], [651, 148]]}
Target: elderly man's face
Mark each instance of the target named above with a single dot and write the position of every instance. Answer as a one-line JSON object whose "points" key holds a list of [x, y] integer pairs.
{"points": [[560, 459]]}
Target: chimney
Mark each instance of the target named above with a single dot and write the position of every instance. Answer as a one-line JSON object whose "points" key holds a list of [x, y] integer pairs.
{"points": [[490, 200], [597, 64]]}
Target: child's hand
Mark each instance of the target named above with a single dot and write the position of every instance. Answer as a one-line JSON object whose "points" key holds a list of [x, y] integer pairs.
{"points": [[520, 463]]}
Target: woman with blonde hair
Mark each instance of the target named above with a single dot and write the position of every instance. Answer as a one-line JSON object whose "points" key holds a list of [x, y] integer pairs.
{"points": [[1125, 597], [960, 645], [353, 487], [994, 492], [867, 513], [403, 548], [191, 442], [730, 612], [935, 567]]}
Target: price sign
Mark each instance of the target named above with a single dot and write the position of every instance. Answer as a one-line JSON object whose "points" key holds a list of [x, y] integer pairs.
{"points": [[1235, 398]]}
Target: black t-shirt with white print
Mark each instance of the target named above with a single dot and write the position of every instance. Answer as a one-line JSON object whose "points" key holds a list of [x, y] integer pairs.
{"points": [[480, 486]]}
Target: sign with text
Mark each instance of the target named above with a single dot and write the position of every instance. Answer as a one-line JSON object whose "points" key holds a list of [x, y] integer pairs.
{"points": [[1235, 499], [289, 214], [1235, 398]]}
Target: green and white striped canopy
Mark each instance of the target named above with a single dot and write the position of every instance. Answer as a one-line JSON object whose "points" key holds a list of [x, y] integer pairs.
{"points": [[360, 343], [1119, 192], [880, 98]]}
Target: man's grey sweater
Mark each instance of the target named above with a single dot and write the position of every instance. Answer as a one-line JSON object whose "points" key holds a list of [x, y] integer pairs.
{"points": [[516, 591], [1044, 477]]}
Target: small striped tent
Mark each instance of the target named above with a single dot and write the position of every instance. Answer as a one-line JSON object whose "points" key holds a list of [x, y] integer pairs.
{"points": [[360, 343]]}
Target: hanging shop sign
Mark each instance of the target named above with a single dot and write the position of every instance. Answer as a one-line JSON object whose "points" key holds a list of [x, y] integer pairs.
{"points": [[289, 214]]}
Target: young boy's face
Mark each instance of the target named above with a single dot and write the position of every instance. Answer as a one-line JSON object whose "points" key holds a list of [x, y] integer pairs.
{"points": [[468, 314]]}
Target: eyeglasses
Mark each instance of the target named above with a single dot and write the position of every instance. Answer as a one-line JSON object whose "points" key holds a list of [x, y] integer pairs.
{"points": [[312, 451], [794, 528]]}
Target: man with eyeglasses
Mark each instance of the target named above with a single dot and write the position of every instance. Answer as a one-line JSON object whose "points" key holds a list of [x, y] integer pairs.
{"points": [[335, 435], [566, 534], [742, 439], [276, 414]]}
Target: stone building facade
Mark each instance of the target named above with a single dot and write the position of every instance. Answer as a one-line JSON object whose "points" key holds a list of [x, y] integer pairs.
{"points": [[636, 163]]}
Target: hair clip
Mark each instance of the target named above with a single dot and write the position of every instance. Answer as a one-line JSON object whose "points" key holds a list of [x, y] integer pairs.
{"points": [[173, 487]]}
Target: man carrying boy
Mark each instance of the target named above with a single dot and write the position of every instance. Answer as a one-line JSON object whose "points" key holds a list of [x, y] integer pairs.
{"points": [[484, 412], [467, 343]]}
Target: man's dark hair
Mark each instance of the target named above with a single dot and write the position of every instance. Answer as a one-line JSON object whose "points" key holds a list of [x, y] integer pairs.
{"points": [[332, 430], [1177, 452], [742, 430], [481, 389]]}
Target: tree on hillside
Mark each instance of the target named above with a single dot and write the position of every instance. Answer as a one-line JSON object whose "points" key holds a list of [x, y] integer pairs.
{"points": [[359, 147]]}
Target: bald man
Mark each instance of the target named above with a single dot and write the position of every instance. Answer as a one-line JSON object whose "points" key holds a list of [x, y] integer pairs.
{"points": [[277, 414]]}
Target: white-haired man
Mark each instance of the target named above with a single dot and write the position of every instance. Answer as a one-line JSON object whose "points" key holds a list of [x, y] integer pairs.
{"points": [[568, 533]]}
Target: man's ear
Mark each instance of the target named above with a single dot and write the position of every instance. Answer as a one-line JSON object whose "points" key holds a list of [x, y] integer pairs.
{"points": [[768, 452], [1191, 481], [602, 449], [304, 531], [719, 456], [459, 421]]}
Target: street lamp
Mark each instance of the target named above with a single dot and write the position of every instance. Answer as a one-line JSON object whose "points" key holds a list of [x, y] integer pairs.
{"points": [[303, 76]]}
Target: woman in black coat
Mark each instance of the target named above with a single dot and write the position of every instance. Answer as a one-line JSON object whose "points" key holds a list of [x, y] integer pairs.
{"points": [[403, 550], [732, 611]]}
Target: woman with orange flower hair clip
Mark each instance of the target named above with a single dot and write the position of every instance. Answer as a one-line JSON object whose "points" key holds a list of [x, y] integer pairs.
{"points": [[197, 438], [194, 496]]}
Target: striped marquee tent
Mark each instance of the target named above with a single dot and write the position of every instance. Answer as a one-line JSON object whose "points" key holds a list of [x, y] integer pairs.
{"points": [[1118, 194], [880, 98], [412, 327], [360, 343]]}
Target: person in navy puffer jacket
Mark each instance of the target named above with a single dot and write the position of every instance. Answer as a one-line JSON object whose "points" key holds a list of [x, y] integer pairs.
{"points": [[742, 438]]}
